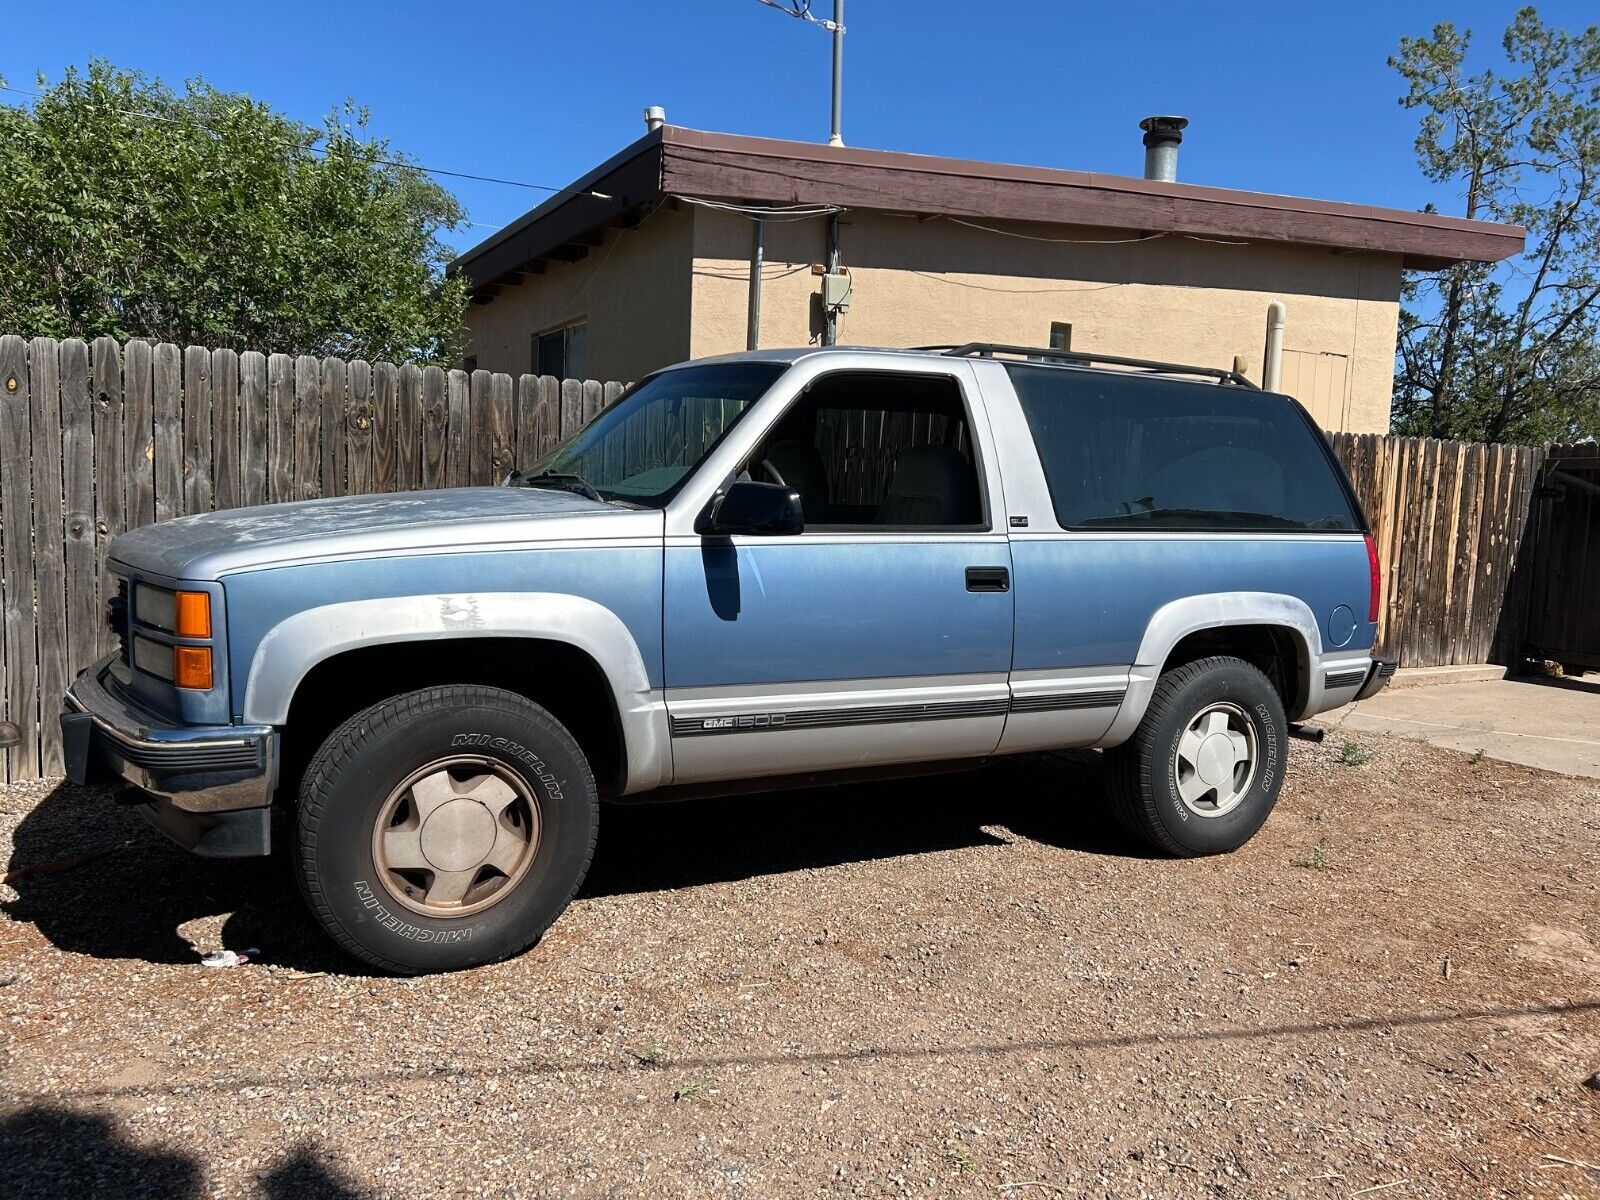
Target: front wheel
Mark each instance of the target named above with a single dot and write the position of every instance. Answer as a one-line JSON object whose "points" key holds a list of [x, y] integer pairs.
{"points": [[1203, 770], [444, 828]]}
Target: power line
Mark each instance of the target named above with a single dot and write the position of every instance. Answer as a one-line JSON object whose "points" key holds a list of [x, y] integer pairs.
{"points": [[387, 162]]}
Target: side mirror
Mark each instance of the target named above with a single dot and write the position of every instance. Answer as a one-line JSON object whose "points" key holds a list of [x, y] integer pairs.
{"points": [[752, 507]]}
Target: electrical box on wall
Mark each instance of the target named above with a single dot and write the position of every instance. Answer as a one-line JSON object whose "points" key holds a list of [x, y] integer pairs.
{"points": [[836, 291]]}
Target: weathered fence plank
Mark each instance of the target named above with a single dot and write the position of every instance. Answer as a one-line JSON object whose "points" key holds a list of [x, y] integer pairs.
{"points": [[357, 429], [385, 392], [409, 419], [77, 480], [307, 429], [138, 431], [45, 388], [110, 482], [458, 429], [166, 442], [280, 427], [548, 417], [197, 478], [480, 449], [227, 490], [493, 443], [334, 378], [254, 427], [19, 695], [433, 428], [571, 404]]}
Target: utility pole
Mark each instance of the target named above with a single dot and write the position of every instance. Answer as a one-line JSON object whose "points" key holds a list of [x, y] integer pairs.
{"points": [[835, 136], [801, 9]]}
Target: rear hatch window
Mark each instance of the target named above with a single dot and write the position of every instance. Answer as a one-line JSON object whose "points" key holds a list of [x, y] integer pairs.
{"points": [[1136, 452]]}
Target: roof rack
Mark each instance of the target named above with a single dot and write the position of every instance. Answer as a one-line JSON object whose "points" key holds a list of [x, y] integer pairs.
{"points": [[1079, 359]]}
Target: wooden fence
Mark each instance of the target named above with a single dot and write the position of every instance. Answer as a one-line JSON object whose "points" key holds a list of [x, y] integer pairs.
{"points": [[1451, 520], [98, 439]]}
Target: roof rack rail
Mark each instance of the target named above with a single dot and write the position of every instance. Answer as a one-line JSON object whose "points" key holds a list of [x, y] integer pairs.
{"points": [[1079, 359]]}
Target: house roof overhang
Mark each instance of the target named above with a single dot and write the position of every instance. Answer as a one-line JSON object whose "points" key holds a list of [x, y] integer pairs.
{"points": [[674, 161]]}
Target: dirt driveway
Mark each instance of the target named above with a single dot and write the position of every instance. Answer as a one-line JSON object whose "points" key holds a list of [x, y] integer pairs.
{"points": [[967, 987]]}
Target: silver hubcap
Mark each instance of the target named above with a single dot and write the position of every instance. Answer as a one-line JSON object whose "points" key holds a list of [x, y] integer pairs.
{"points": [[456, 836], [1215, 763]]}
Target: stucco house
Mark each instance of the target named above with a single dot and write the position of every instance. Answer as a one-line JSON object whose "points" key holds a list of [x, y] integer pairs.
{"points": [[689, 243]]}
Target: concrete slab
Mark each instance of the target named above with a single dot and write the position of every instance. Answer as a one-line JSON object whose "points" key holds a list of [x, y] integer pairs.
{"points": [[1410, 677], [1548, 723]]}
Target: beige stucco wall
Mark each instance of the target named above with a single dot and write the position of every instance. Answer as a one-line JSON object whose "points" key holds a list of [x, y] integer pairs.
{"points": [[677, 287], [918, 282], [633, 290]]}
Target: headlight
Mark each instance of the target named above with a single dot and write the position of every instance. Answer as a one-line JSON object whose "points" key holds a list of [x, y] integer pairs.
{"points": [[187, 614], [184, 614]]}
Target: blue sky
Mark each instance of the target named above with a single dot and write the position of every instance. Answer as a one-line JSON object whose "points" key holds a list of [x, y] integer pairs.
{"points": [[1292, 98]]}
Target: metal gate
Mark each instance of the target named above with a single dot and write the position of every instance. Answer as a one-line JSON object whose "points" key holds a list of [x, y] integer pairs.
{"points": [[1564, 604]]}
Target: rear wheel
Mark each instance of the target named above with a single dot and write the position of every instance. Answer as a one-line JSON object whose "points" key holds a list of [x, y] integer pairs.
{"points": [[444, 828], [1203, 770]]}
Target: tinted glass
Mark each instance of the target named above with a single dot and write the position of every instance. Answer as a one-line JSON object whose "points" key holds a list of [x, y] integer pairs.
{"points": [[875, 449], [643, 448], [1132, 452]]}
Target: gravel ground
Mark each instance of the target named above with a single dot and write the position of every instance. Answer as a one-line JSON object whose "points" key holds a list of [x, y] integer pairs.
{"points": [[966, 986]]}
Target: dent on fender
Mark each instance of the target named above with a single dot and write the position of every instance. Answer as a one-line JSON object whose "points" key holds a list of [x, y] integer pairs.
{"points": [[295, 645]]}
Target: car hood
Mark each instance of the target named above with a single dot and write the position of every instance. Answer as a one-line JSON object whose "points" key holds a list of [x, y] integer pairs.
{"points": [[210, 545]]}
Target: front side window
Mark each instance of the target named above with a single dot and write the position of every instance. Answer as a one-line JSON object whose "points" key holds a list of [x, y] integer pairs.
{"points": [[876, 450], [1124, 451], [643, 449]]}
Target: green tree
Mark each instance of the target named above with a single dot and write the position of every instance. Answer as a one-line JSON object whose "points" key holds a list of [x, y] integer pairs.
{"points": [[1507, 352], [130, 210]]}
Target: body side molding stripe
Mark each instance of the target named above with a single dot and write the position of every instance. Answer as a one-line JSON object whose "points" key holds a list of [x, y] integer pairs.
{"points": [[883, 714]]}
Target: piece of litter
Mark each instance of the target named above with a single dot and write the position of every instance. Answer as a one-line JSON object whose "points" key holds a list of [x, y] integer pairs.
{"points": [[229, 958]]}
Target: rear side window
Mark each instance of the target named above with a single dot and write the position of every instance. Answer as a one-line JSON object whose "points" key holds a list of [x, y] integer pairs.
{"points": [[1135, 452]]}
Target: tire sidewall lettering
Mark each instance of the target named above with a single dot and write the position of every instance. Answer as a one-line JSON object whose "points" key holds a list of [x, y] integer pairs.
{"points": [[515, 750]]}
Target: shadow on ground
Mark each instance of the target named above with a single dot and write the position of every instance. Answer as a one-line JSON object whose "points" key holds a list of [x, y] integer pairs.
{"points": [[53, 1151], [132, 901]]}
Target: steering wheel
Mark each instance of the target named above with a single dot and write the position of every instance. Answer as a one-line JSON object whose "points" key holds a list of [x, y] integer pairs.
{"points": [[766, 468]]}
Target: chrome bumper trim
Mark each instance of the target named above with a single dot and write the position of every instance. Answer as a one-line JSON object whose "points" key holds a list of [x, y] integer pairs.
{"points": [[199, 769]]}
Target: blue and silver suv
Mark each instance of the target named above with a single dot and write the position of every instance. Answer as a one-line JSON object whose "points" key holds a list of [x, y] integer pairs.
{"points": [[809, 564]]}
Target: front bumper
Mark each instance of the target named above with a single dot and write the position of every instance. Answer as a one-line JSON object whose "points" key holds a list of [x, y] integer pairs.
{"points": [[1378, 676], [208, 788]]}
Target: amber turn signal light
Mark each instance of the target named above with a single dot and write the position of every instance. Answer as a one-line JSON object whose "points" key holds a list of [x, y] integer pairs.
{"points": [[193, 615], [191, 666]]}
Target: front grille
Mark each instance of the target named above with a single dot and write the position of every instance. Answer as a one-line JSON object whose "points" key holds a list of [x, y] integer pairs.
{"points": [[117, 620]]}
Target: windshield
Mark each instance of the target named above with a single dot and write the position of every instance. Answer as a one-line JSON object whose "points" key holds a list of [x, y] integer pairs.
{"points": [[643, 448]]}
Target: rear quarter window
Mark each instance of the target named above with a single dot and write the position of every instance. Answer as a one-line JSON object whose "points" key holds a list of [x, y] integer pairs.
{"points": [[1135, 452]]}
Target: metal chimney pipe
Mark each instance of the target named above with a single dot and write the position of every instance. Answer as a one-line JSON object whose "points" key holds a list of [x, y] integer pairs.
{"points": [[1161, 138], [654, 118]]}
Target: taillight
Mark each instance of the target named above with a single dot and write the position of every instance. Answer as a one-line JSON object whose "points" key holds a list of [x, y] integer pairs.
{"points": [[1375, 574]]}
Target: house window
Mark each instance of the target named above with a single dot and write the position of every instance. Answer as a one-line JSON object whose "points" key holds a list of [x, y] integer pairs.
{"points": [[562, 352], [1060, 335]]}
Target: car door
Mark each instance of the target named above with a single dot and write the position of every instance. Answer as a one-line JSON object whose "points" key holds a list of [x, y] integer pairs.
{"points": [[882, 633]]}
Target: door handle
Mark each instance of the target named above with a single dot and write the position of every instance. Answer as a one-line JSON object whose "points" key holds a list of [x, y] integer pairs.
{"points": [[988, 579]]}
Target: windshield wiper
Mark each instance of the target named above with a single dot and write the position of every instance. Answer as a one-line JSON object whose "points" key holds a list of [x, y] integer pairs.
{"points": [[559, 481]]}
